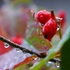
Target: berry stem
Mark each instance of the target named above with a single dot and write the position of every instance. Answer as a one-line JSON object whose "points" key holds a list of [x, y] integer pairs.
{"points": [[60, 31], [58, 20], [52, 14]]}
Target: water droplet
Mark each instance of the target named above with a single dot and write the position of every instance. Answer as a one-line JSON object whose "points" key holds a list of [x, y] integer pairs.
{"points": [[6, 45], [58, 27], [18, 50], [57, 65], [36, 58], [51, 64]]}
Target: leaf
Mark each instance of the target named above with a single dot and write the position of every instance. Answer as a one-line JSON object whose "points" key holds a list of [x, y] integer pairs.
{"points": [[16, 2], [21, 67], [37, 39], [55, 40], [21, 64], [65, 56]]}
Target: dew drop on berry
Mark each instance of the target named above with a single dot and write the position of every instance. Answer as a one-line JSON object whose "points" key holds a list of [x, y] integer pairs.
{"points": [[58, 28], [6, 45]]}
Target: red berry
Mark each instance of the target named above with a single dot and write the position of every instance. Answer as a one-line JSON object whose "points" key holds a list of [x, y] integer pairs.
{"points": [[43, 16], [49, 29], [62, 14]]}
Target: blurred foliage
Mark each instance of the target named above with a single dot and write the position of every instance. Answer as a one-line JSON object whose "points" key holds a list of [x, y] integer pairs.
{"points": [[26, 2]]}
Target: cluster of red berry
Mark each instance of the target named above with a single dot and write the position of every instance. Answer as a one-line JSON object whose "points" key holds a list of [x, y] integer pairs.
{"points": [[48, 20]]}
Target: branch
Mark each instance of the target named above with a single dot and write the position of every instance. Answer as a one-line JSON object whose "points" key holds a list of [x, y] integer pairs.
{"points": [[41, 55], [55, 60]]}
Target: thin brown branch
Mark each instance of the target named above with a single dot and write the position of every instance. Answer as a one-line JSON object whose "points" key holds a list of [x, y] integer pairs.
{"points": [[55, 60], [41, 55]]}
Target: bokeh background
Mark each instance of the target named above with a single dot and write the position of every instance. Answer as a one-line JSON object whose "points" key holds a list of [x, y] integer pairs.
{"points": [[17, 25]]}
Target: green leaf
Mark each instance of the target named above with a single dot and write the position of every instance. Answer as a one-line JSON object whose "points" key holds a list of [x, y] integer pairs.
{"points": [[65, 54], [17, 2], [21, 67], [35, 38], [55, 40], [39, 43]]}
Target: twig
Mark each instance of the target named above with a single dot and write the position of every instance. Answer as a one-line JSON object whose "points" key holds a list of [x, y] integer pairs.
{"points": [[41, 55], [55, 60]]}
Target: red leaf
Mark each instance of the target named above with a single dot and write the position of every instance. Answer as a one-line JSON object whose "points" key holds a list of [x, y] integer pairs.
{"points": [[4, 50], [27, 60]]}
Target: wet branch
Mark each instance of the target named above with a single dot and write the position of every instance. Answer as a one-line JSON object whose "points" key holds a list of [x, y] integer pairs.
{"points": [[41, 55]]}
